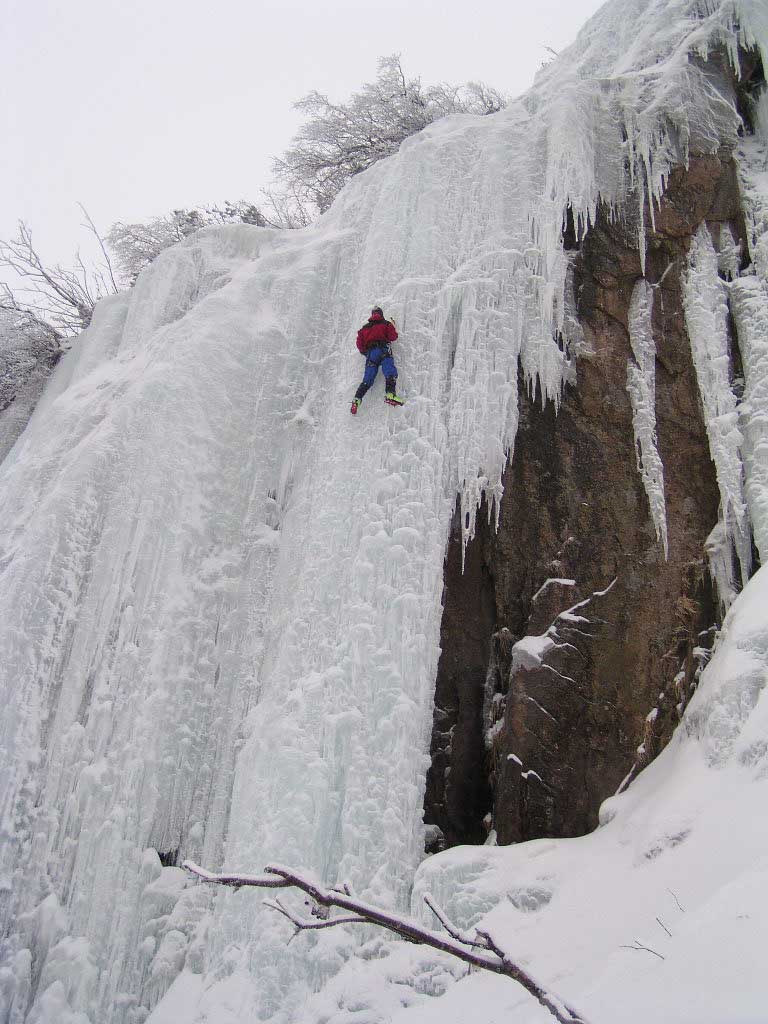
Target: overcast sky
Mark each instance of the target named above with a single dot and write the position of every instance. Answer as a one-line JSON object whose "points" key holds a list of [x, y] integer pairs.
{"points": [[134, 108]]}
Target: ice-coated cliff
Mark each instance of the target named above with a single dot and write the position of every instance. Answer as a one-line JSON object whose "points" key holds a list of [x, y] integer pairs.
{"points": [[220, 595]]}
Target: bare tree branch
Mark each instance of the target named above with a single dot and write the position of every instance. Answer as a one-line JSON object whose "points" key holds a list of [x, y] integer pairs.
{"points": [[677, 901], [479, 950], [102, 246], [63, 298], [478, 941]]}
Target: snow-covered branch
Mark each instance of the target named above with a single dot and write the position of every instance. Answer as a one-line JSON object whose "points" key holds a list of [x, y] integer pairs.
{"points": [[478, 949], [303, 923]]}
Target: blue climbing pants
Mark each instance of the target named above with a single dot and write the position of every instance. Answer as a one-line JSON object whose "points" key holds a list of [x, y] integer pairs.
{"points": [[381, 356]]}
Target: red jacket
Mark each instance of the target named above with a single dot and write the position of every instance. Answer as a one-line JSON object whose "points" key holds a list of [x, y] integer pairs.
{"points": [[377, 331]]}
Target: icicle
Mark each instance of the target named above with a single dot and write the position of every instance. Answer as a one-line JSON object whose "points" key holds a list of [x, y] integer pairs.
{"points": [[719, 550], [641, 384]]}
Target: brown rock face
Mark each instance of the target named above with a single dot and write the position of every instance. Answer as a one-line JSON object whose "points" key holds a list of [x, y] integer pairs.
{"points": [[458, 790], [541, 738]]}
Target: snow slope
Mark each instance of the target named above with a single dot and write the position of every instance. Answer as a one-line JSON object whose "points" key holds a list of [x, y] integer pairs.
{"points": [[221, 595]]}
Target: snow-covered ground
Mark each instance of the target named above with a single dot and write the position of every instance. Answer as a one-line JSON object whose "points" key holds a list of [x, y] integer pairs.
{"points": [[221, 594]]}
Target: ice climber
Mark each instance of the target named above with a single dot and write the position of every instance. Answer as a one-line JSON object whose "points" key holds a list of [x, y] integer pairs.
{"points": [[374, 340]]}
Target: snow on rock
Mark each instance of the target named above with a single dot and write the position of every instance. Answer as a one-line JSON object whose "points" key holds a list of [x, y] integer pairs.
{"points": [[552, 581], [221, 595]]}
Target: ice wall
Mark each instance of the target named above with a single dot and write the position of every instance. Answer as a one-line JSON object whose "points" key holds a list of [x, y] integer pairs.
{"points": [[221, 595]]}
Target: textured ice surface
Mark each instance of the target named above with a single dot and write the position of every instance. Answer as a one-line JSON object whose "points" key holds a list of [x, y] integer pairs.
{"points": [[220, 595]]}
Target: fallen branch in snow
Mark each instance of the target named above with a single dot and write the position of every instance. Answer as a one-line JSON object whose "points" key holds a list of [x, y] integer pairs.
{"points": [[638, 945], [478, 949], [680, 907]]}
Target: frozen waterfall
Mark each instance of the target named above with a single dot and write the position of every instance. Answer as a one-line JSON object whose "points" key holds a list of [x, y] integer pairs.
{"points": [[220, 595]]}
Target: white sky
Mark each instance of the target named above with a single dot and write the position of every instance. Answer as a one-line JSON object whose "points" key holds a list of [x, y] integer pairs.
{"points": [[137, 108]]}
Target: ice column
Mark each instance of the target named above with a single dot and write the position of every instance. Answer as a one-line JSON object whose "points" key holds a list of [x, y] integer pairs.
{"points": [[641, 385], [749, 305], [706, 316], [750, 310]]}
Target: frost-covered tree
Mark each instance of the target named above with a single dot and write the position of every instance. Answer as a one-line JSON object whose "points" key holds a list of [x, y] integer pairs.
{"points": [[136, 245], [25, 344], [338, 140], [42, 307], [29, 349]]}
